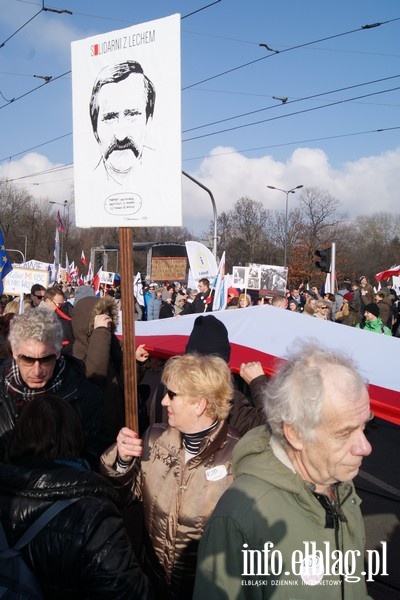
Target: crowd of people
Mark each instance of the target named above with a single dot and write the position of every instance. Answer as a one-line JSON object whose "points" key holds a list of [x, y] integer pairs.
{"points": [[355, 304], [220, 462]]}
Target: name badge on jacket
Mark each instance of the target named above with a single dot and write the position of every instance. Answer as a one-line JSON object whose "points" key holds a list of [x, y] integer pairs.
{"points": [[216, 473]]}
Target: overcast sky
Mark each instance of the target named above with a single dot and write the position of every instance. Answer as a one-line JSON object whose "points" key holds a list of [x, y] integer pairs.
{"points": [[338, 129]]}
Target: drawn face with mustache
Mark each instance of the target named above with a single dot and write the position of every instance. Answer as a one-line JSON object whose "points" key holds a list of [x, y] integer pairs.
{"points": [[122, 124]]}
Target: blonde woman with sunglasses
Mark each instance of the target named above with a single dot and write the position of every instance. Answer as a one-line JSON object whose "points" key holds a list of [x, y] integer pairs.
{"points": [[180, 469]]}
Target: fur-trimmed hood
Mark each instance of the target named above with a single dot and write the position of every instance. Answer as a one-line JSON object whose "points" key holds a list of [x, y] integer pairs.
{"points": [[85, 311], [107, 306]]}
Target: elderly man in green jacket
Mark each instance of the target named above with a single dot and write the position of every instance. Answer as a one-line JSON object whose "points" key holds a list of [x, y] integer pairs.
{"points": [[290, 525]]}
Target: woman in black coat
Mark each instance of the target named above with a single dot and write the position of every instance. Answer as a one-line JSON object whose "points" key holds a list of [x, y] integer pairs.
{"points": [[84, 552]]}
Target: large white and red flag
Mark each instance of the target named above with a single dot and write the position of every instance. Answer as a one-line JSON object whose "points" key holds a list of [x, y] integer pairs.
{"points": [[267, 334], [393, 271]]}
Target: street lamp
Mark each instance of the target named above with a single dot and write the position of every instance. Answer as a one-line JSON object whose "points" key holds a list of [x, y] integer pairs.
{"points": [[214, 206], [26, 243], [63, 204], [15, 250], [287, 192]]}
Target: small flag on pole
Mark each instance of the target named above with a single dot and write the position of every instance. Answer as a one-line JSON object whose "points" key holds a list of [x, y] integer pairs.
{"points": [[83, 259], [5, 265], [56, 263], [60, 224]]}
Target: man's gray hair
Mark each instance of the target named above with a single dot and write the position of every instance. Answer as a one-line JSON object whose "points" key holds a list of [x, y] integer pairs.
{"points": [[295, 394], [37, 324]]}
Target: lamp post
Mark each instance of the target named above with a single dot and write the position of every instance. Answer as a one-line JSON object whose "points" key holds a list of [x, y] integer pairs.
{"points": [[15, 250], [64, 205], [287, 192], [214, 206], [26, 244]]}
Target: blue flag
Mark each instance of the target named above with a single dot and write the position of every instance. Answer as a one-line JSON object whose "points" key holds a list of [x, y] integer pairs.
{"points": [[5, 265]]}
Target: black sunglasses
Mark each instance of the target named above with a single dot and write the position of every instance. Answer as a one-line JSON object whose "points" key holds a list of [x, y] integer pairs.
{"points": [[58, 304], [29, 361], [171, 395], [39, 297]]}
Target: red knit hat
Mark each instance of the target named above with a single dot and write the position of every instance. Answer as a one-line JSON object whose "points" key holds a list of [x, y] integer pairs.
{"points": [[232, 291]]}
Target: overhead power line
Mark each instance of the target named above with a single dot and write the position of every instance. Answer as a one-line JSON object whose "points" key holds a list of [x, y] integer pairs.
{"points": [[200, 9], [274, 53], [43, 9], [299, 112], [60, 11], [274, 106], [236, 151], [52, 80], [233, 117], [293, 143], [60, 137], [19, 29], [364, 27]]}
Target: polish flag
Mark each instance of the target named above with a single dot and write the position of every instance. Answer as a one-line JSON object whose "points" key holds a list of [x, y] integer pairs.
{"points": [[67, 269], [96, 282], [83, 259], [267, 334]]}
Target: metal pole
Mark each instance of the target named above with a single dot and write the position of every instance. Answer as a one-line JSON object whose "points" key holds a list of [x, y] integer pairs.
{"points": [[63, 235], [286, 227], [287, 192], [214, 210], [333, 267], [26, 244]]}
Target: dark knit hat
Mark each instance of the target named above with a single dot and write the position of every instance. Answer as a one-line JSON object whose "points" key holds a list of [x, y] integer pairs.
{"points": [[209, 336], [373, 309]]}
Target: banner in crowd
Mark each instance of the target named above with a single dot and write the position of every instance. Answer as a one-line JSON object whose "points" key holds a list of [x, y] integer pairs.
{"points": [[126, 94], [20, 281], [267, 334], [107, 277], [35, 264], [261, 277], [201, 261], [396, 284]]}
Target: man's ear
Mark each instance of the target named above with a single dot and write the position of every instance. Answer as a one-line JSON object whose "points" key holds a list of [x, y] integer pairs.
{"points": [[292, 436]]}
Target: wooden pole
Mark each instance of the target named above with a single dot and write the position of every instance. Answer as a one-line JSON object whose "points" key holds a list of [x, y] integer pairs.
{"points": [[128, 327]]}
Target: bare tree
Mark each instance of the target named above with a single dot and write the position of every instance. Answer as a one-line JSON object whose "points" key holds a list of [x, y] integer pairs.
{"points": [[249, 221], [321, 217], [294, 230]]}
